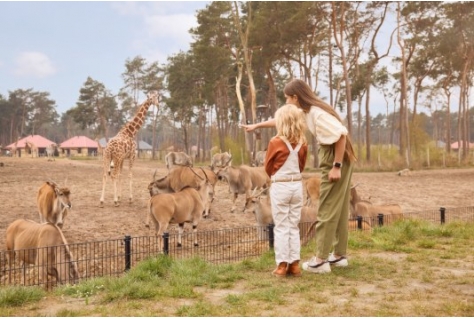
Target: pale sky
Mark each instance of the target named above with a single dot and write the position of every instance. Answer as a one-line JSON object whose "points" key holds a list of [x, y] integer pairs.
{"points": [[55, 46]]}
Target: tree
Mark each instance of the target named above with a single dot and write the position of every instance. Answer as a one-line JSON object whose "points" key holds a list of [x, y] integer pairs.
{"points": [[338, 19], [139, 78], [96, 108], [461, 19], [43, 113], [184, 93]]}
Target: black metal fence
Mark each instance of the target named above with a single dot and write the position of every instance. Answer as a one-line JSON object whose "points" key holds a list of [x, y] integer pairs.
{"points": [[115, 256]]}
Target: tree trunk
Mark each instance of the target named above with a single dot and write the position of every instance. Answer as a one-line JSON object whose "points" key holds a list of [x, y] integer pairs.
{"points": [[404, 135], [339, 43]]}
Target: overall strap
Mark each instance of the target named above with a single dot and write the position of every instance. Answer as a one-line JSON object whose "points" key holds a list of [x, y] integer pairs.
{"points": [[288, 144]]}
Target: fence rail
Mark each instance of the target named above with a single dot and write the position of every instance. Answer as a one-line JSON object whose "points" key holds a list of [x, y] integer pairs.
{"points": [[115, 256]]}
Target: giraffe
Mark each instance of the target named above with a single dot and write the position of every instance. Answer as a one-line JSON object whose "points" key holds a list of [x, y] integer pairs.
{"points": [[122, 146], [32, 147]]}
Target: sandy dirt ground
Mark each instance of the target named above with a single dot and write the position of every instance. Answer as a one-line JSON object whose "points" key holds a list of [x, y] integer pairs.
{"points": [[20, 179]]}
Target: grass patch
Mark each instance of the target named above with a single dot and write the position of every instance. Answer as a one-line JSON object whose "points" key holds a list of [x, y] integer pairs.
{"points": [[19, 296], [403, 269]]}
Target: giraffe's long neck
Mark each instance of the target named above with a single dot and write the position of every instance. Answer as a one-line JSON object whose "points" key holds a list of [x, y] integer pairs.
{"points": [[132, 127]]}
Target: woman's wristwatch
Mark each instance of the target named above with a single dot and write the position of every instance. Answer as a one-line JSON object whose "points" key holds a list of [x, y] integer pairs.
{"points": [[337, 164]]}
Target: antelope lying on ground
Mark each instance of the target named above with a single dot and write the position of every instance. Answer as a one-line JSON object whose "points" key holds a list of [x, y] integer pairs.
{"points": [[367, 210], [43, 245]]}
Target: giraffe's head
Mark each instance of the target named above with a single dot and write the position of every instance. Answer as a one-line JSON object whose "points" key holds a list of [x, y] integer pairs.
{"points": [[153, 97]]}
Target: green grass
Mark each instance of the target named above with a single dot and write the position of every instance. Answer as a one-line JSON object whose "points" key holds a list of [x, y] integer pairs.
{"points": [[410, 268]]}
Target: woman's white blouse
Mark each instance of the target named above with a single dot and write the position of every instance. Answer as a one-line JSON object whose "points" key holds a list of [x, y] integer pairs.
{"points": [[326, 128]]}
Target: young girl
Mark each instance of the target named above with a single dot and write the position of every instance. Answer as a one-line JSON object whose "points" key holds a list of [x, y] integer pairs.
{"points": [[284, 162]]}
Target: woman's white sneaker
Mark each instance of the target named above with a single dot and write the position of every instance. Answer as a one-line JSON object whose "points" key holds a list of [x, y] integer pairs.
{"points": [[338, 262], [318, 268]]}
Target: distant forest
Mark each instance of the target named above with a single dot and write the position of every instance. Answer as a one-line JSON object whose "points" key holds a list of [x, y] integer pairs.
{"points": [[418, 55]]}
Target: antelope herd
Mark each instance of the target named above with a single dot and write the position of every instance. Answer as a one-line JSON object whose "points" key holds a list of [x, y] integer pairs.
{"points": [[184, 195]]}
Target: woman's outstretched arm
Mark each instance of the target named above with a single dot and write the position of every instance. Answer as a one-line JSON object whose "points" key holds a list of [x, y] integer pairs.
{"points": [[265, 124]]}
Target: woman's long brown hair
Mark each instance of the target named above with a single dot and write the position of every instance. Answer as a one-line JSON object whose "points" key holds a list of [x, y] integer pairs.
{"points": [[307, 98]]}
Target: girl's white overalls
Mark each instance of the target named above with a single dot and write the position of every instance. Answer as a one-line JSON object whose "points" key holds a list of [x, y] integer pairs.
{"points": [[286, 193]]}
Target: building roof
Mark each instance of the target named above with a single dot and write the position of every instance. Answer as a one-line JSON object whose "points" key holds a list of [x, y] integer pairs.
{"points": [[79, 142], [455, 146], [38, 140], [142, 145]]}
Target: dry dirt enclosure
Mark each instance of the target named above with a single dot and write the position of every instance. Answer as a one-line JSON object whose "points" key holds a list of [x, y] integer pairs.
{"points": [[20, 179]]}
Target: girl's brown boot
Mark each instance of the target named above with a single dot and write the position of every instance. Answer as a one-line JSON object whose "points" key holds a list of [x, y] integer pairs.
{"points": [[294, 269], [281, 269]]}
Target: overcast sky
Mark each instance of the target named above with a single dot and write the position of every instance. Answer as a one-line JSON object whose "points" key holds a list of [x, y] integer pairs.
{"points": [[55, 46]]}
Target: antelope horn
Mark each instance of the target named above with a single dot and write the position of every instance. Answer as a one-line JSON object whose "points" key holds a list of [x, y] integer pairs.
{"points": [[355, 185], [51, 182], [202, 169], [192, 170], [263, 190], [253, 192], [154, 175]]}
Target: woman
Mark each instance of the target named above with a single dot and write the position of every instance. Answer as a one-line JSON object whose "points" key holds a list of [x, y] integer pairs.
{"points": [[336, 158]]}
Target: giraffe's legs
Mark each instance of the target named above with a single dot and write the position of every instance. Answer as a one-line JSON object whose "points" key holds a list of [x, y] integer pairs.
{"points": [[104, 181], [118, 189], [115, 175], [106, 167], [130, 176], [116, 199]]}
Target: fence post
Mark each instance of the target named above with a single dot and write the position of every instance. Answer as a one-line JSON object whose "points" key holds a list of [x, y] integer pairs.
{"points": [[359, 222], [128, 252], [442, 211], [166, 243], [380, 217], [271, 235]]}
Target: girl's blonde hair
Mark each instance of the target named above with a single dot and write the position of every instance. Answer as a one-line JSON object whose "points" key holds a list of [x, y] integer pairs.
{"points": [[291, 123]]}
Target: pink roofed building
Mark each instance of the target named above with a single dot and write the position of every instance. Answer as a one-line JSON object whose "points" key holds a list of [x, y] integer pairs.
{"points": [[36, 146], [78, 146], [455, 146]]}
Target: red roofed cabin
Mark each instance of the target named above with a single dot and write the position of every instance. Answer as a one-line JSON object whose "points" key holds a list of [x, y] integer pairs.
{"points": [[19, 149], [78, 146]]}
